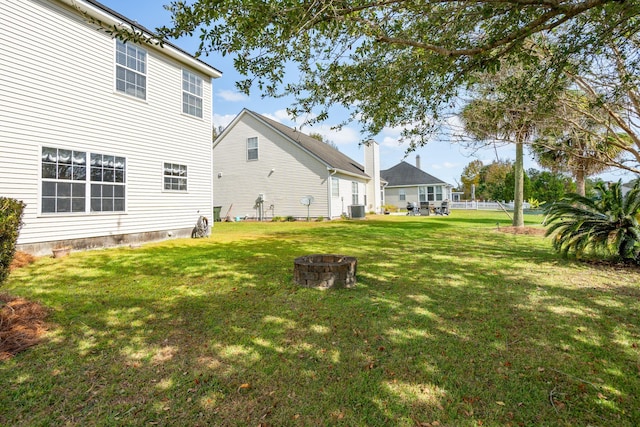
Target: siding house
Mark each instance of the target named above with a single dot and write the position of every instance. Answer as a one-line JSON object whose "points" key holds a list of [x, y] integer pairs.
{"points": [[410, 184], [264, 169], [106, 142]]}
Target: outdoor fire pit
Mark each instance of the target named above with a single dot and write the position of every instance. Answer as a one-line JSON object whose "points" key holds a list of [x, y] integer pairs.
{"points": [[325, 271]]}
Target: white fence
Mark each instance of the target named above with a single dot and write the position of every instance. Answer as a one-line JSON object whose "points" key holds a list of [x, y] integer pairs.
{"points": [[489, 206]]}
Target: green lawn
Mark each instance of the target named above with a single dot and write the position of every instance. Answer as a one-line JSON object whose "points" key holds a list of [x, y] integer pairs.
{"points": [[451, 323]]}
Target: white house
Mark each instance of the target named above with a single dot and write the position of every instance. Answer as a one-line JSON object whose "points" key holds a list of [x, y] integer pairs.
{"points": [[264, 169], [106, 142], [410, 184]]}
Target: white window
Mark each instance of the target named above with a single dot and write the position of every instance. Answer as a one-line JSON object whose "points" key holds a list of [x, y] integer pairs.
{"points": [[191, 94], [422, 191], [175, 177], [434, 193], [107, 183], [252, 148], [64, 182], [354, 193], [403, 195], [64, 175], [335, 187], [131, 70]]}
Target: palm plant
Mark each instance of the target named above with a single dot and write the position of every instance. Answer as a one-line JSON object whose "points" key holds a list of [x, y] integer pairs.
{"points": [[606, 225]]}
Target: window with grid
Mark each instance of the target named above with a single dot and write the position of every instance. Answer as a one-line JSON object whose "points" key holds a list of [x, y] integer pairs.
{"points": [[107, 183], [354, 193], [131, 70], [422, 192], [439, 193], [191, 94], [402, 195], [335, 187], [175, 177], [252, 148], [64, 174], [430, 194]]}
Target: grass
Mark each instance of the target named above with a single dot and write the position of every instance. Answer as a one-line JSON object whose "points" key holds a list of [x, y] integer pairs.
{"points": [[451, 323]]}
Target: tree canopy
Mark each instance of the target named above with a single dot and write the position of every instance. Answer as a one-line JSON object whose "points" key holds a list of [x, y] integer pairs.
{"points": [[394, 62]]}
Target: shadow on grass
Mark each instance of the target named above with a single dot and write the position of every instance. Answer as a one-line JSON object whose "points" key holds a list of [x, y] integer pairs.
{"points": [[454, 327]]}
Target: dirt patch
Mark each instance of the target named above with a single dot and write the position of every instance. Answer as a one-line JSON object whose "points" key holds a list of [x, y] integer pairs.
{"points": [[531, 231], [21, 259], [21, 325]]}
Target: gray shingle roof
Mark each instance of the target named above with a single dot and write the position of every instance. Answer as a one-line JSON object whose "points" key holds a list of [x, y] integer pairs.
{"points": [[405, 174], [326, 153]]}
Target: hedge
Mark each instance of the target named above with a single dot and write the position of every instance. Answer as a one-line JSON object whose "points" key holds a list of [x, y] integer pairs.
{"points": [[11, 211]]}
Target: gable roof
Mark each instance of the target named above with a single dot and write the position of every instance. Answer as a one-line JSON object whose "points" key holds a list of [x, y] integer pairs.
{"points": [[328, 155], [404, 174], [108, 16]]}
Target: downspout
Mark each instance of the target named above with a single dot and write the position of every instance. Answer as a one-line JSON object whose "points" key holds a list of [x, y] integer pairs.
{"points": [[330, 191]]}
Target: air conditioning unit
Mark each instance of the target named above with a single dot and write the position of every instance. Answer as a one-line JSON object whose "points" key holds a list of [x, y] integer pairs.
{"points": [[356, 212]]}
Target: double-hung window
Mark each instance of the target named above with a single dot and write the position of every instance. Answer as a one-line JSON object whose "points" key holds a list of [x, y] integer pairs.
{"points": [[131, 69], [64, 175], [252, 148], [335, 187], [107, 183], [191, 94], [354, 193], [175, 177], [422, 192], [402, 194], [430, 194]]}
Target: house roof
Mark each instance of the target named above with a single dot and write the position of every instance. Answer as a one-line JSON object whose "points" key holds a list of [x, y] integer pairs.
{"points": [[404, 174], [333, 158], [108, 16]]}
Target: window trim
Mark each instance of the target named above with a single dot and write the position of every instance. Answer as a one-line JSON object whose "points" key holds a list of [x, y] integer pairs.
{"points": [[335, 187], [199, 84], [355, 195], [178, 178], [132, 70], [256, 148], [86, 181]]}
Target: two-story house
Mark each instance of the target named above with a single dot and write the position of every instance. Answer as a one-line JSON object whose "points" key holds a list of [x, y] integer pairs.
{"points": [[106, 142]]}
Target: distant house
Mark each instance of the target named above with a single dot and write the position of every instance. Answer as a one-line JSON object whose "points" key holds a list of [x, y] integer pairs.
{"points": [[264, 169], [106, 142], [410, 184]]}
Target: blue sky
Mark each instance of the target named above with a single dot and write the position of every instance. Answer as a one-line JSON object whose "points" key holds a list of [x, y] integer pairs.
{"points": [[440, 157]]}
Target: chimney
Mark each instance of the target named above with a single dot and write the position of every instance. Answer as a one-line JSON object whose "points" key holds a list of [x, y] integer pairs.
{"points": [[418, 162], [372, 168]]}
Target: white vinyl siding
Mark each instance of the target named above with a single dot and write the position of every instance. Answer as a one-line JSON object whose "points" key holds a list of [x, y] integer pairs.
{"points": [[41, 106], [191, 94], [285, 174], [252, 148], [131, 69]]}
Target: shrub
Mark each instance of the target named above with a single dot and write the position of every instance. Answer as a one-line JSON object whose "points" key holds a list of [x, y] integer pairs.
{"points": [[290, 218], [11, 211], [276, 219], [320, 219], [604, 226]]}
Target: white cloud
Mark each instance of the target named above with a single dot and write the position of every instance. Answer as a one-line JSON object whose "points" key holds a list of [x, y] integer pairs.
{"points": [[222, 120], [231, 96]]}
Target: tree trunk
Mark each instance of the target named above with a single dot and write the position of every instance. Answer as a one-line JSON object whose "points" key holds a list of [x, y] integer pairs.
{"points": [[580, 182], [518, 195]]}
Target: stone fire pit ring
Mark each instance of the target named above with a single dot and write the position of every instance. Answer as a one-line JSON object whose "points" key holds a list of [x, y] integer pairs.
{"points": [[325, 271]]}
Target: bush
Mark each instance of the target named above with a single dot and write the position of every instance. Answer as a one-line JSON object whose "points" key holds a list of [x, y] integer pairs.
{"points": [[11, 211], [603, 226], [290, 218]]}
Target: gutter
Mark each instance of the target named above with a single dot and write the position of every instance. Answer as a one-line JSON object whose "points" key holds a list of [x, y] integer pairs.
{"points": [[332, 172]]}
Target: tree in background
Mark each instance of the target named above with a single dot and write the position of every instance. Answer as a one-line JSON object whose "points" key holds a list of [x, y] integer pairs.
{"points": [[575, 141], [321, 138], [493, 180], [471, 179], [393, 63], [548, 187]]}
